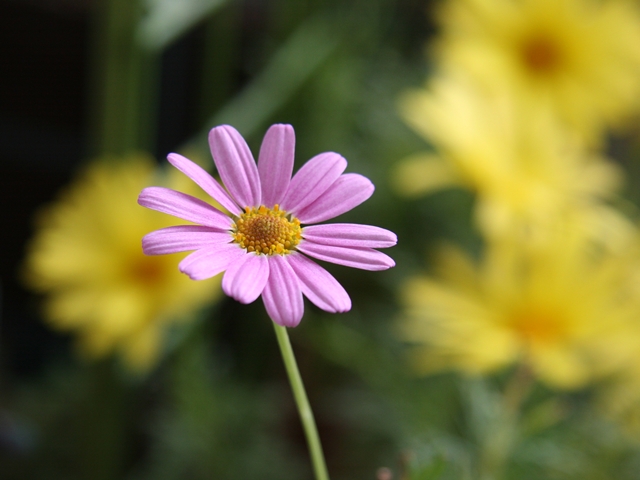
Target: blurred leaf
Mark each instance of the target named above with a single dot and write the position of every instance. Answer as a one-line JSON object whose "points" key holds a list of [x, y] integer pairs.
{"points": [[166, 20], [437, 458], [70, 425], [305, 50], [207, 425], [432, 471]]}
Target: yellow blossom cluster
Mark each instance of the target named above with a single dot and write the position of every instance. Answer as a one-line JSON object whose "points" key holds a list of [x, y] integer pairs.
{"points": [[524, 96], [577, 58], [86, 257]]}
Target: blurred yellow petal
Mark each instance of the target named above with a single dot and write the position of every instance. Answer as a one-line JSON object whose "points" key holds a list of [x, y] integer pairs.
{"points": [[86, 256], [567, 308], [422, 173], [560, 367], [452, 265], [141, 349], [577, 58], [528, 172], [70, 309]]}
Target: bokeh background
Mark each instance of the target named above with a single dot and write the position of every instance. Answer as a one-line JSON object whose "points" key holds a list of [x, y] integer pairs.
{"points": [[103, 377]]}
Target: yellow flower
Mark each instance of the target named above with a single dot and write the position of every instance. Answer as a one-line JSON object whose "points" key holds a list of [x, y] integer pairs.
{"points": [[87, 256], [567, 310], [578, 57], [526, 172]]}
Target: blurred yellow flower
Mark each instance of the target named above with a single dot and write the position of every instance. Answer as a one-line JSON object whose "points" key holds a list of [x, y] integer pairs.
{"points": [[87, 256], [567, 310], [579, 58], [526, 172]]}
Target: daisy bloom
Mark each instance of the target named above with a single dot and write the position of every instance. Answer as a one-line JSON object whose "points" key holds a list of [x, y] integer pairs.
{"points": [[526, 172], [262, 242], [579, 58], [85, 257], [568, 311]]}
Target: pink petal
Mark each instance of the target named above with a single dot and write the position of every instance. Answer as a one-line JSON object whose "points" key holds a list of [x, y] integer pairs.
{"points": [[318, 285], [350, 235], [235, 165], [282, 295], [205, 181], [363, 258], [181, 239], [275, 163], [312, 180], [245, 279], [183, 206], [347, 192], [211, 260]]}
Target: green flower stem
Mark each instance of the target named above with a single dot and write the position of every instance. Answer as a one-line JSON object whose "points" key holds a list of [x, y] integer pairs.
{"points": [[304, 409], [125, 81]]}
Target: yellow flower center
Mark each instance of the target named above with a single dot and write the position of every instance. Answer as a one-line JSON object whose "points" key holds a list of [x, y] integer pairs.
{"points": [[541, 54], [538, 326], [146, 271], [268, 231]]}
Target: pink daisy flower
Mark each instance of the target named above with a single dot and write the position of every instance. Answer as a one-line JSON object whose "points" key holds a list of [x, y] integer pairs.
{"points": [[264, 242]]}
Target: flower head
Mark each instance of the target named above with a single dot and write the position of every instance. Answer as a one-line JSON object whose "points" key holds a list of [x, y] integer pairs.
{"points": [[527, 174], [567, 310], [578, 58], [261, 243], [85, 256]]}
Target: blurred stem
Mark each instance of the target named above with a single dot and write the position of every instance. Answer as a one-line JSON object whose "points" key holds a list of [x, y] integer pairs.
{"points": [[517, 390], [103, 425], [304, 409], [504, 434], [125, 81]]}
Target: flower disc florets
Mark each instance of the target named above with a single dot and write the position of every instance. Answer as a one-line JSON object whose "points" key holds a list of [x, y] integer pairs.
{"points": [[542, 55], [267, 231]]}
